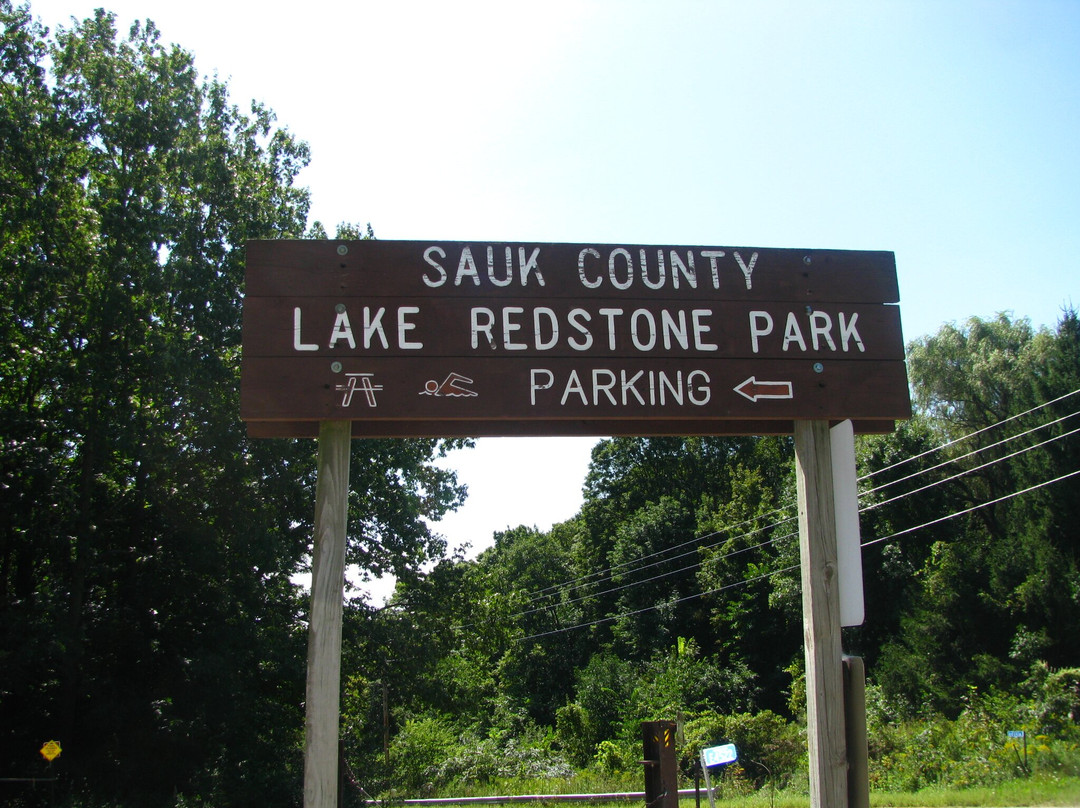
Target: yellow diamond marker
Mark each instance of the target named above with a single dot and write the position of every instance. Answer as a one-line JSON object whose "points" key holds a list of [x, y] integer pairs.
{"points": [[51, 750]]}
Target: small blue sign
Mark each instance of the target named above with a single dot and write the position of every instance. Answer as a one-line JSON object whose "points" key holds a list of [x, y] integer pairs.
{"points": [[1016, 733], [719, 755]]}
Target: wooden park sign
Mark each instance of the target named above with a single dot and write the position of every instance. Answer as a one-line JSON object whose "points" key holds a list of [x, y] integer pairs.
{"points": [[408, 339], [447, 338]]}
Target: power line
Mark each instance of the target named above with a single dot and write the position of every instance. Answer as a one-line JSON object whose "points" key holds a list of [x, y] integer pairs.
{"points": [[1003, 498], [791, 535], [971, 434], [965, 472], [577, 583], [653, 578], [666, 604], [763, 576], [959, 457], [564, 588], [869, 507]]}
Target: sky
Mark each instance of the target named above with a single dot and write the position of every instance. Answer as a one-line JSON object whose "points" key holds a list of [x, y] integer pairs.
{"points": [[945, 132]]}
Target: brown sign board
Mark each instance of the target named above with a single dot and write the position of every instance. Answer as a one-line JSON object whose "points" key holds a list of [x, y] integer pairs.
{"points": [[449, 338]]}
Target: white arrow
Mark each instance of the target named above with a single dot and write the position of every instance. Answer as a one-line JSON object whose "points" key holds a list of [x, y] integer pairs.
{"points": [[754, 390]]}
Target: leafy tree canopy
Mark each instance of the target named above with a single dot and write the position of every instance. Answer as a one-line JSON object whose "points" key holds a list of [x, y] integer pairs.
{"points": [[148, 614]]}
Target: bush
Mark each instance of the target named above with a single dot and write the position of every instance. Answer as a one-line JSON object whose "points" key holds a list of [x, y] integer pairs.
{"points": [[617, 757], [971, 750], [1056, 694], [484, 761], [419, 749], [573, 729], [769, 747]]}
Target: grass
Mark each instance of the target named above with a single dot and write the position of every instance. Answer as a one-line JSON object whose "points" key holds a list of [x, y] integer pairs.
{"points": [[1035, 791]]}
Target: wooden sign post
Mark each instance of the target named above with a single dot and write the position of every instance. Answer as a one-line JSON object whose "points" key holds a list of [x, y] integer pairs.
{"points": [[448, 339], [324, 622], [821, 615]]}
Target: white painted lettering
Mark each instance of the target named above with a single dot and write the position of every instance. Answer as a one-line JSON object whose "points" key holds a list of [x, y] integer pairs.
{"points": [[573, 385], [535, 374], [588, 283], [674, 388], [599, 387], [623, 387], [342, 330], [578, 319], [611, 314], [466, 268], [701, 329], [700, 392], [373, 326], [673, 329], [821, 327], [659, 283], [509, 267], [761, 325], [792, 332], [544, 313], [483, 321], [404, 327], [747, 269], [527, 267], [643, 343], [619, 252], [298, 341], [713, 255], [849, 332], [439, 279], [509, 327], [686, 270], [628, 386]]}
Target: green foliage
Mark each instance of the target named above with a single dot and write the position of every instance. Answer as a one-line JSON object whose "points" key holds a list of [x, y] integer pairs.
{"points": [[683, 679], [971, 750], [684, 593], [1027, 791], [1055, 698], [418, 749], [148, 617], [487, 760], [770, 747], [430, 753], [619, 757], [575, 733], [977, 600], [605, 690], [147, 547]]}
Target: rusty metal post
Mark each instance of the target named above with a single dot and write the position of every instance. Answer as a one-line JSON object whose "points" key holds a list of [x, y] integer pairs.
{"points": [[661, 769]]}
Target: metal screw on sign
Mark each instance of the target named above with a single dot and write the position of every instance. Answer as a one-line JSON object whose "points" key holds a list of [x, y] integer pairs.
{"points": [[819, 368], [335, 367], [51, 750], [807, 260], [342, 249]]}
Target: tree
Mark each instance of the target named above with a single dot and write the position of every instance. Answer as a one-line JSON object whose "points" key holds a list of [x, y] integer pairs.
{"points": [[148, 617], [988, 600]]}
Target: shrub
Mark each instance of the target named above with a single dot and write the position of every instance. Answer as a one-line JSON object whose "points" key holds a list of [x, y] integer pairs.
{"points": [[769, 747], [418, 749], [484, 761]]}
